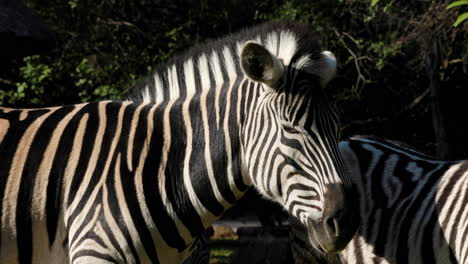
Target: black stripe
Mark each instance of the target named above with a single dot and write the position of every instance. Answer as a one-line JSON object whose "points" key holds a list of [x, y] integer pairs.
{"points": [[54, 185], [303, 204], [87, 147], [379, 198], [302, 187], [9, 145], [25, 193], [448, 190], [181, 81], [218, 148], [93, 253], [197, 163], [91, 233], [139, 136], [128, 183], [264, 146], [96, 238], [175, 187], [234, 135], [117, 245], [115, 210], [428, 239], [158, 211], [112, 110]]}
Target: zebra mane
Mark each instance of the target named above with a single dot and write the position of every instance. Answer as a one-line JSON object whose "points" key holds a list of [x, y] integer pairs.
{"points": [[218, 61], [398, 146]]}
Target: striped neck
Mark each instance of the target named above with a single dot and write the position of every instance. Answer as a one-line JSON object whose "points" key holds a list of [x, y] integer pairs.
{"points": [[196, 138]]}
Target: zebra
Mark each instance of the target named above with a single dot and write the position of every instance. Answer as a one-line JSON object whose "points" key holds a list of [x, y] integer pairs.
{"points": [[412, 207], [137, 181]]}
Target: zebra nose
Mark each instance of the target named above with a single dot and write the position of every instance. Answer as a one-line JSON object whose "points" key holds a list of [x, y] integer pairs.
{"points": [[335, 210], [332, 225], [339, 220]]}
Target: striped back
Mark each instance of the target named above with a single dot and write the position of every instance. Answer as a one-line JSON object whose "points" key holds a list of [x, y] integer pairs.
{"points": [[411, 207]]}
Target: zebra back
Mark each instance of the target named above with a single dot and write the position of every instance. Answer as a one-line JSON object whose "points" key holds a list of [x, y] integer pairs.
{"points": [[410, 205]]}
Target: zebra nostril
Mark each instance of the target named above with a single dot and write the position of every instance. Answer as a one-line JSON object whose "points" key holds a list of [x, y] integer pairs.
{"points": [[332, 226]]}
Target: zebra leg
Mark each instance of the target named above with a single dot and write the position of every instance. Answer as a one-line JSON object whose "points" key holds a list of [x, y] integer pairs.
{"points": [[202, 250], [90, 250], [92, 243], [91, 259]]}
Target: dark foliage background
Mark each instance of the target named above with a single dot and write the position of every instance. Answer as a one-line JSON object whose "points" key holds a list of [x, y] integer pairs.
{"points": [[402, 64]]}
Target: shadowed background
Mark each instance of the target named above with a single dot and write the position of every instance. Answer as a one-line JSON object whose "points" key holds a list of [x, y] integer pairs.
{"points": [[402, 65]]}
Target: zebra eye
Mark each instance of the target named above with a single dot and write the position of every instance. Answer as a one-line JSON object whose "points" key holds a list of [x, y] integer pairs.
{"points": [[290, 129]]}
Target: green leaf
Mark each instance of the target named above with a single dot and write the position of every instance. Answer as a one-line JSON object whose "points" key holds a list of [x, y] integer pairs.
{"points": [[374, 2], [460, 19], [457, 3]]}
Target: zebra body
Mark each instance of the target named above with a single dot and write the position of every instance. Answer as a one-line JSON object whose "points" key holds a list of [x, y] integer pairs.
{"points": [[138, 181], [412, 207]]}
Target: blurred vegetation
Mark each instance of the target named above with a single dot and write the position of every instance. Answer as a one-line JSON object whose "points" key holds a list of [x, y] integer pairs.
{"points": [[383, 47], [463, 16], [220, 254]]}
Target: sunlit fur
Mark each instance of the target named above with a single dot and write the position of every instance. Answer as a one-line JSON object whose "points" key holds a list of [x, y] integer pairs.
{"points": [[412, 207], [298, 104], [295, 161], [290, 168], [138, 181]]}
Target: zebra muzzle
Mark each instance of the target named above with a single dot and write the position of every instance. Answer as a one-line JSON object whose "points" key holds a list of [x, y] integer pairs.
{"points": [[333, 231]]}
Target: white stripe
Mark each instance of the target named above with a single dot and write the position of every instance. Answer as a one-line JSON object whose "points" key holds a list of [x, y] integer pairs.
{"points": [[92, 160], [206, 216], [38, 207], [219, 80], [159, 93], [90, 225], [10, 199], [419, 221], [287, 47], [4, 125], [460, 188], [271, 43], [98, 229], [174, 89], [163, 250], [131, 136], [189, 75], [116, 231], [391, 185], [203, 67], [72, 163], [125, 213], [81, 217], [451, 199], [183, 231], [229, 63], [146, 94]]}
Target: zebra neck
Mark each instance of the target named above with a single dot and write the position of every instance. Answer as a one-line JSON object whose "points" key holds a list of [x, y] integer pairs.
{"points": [[196, 148]]}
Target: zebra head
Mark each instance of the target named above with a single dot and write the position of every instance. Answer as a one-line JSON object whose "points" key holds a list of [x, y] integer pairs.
{"points": [[290, 142]]}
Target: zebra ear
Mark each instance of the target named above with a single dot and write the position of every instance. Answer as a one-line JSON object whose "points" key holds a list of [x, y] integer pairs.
{"points": [[260, 65], [324, 67]]}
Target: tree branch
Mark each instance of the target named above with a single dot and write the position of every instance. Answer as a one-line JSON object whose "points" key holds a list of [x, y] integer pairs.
{"points": [[361, 79]]}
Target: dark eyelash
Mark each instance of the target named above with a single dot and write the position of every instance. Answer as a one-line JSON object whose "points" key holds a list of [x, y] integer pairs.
{"points": [[290, 129]]}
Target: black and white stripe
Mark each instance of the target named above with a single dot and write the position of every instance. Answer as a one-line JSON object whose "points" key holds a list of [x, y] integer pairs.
{"points": [[138, 181], [412, 207]]}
